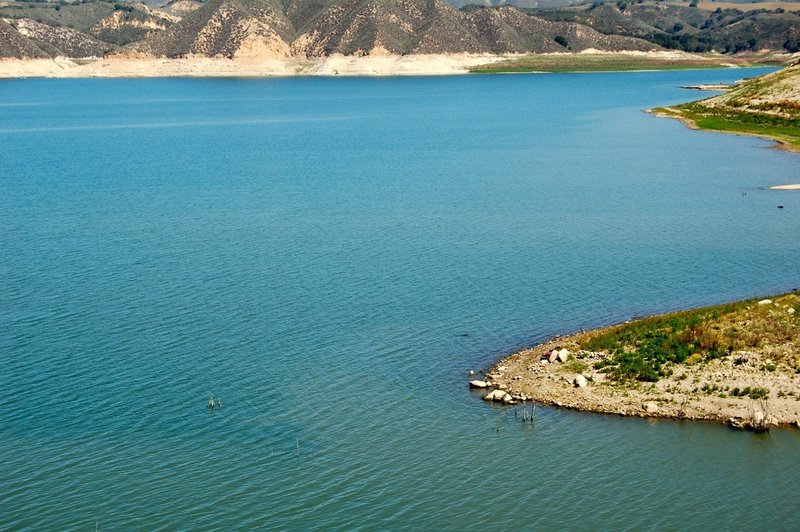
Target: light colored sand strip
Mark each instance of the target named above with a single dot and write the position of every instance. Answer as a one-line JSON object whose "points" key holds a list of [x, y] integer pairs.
{"points": [[786, 187], [378, 65]]}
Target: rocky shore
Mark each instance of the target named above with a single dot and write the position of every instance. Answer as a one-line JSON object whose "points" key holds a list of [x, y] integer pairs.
{"points": [[751, 388]]}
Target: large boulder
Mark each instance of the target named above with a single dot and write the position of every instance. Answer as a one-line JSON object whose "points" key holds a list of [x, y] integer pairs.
{"points": [[494, 395], [579, 381], [499, 396], [478, 384], [563, 355]]}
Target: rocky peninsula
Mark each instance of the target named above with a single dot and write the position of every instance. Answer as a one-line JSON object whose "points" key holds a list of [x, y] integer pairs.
{"points": [[737, 363], [767, 106]]}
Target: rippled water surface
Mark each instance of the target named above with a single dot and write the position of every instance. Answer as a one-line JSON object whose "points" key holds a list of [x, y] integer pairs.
{"points": [[329, 257]]}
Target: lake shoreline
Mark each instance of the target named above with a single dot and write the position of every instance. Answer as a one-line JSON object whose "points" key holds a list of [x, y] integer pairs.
{"points": [[676, 114], [765, 106], [132, 65], [698, 392]]}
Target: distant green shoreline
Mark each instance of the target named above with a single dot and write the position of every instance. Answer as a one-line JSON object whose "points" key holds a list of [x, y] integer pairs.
{"points": [[617, 62]]}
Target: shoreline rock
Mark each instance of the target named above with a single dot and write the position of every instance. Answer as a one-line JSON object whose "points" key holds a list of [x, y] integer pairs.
{"points": [[706, 391]]}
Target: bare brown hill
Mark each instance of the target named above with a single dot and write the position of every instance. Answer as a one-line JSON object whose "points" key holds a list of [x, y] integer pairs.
{"points": [[509, 30], [320, 28], [359, 27], [226, 28], [61, 41], [133, 23], [182, 7], [13, 45]]}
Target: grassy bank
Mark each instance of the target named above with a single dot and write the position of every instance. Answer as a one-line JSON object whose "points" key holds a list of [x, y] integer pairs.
{"points": [[649, 349], [617, 62], [783, 129], [767, 106], [737, 363]]}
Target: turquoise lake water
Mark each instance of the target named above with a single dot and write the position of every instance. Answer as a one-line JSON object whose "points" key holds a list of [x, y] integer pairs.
{"points": [[330, 257]]}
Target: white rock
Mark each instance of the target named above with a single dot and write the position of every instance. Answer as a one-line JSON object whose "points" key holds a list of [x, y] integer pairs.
{"points": [[736, 423], [498, 396], [478, 384], [579, 381], [790, 311], [553, 356], [502, 368], [471, 373], [494, 395], [765, 302], [651, 408], [563, 355]]}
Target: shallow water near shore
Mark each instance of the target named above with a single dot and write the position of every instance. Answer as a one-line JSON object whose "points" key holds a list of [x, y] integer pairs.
{"points": [[329, 257]]}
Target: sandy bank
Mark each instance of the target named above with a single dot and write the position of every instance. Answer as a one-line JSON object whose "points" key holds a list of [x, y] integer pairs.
{"points": [[136, 67], [786, 187], [371, 65], [709, 391]]}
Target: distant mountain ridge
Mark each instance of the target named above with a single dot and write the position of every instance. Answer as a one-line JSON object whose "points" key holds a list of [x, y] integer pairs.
{"points": [[320, 28], [687, 28], [305, 29], [253, 28], [531, 4]]}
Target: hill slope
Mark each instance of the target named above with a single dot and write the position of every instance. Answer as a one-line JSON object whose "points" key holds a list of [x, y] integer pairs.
{"points": [[14, 45], [687, 28], [319, 28], [226, 28], [61, 40]]}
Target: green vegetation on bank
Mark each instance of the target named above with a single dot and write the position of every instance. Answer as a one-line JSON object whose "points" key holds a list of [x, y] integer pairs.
{"points": [[617, 62], [767, 106], [776, 127], [648, 349]]}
